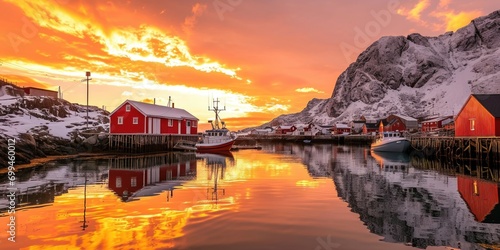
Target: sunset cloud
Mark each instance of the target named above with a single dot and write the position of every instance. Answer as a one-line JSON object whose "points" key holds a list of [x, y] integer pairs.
{"points": [[190, 21], [308, 90], [439, 15]]}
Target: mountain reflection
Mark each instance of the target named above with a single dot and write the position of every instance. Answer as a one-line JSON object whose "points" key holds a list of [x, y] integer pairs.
{"points": [[417, 207]]}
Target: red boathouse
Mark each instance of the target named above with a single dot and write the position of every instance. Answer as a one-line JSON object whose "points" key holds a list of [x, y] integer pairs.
{"points": [[480, 116], [133, 117]]}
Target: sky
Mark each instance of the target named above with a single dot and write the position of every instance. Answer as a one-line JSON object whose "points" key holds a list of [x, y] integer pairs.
{"points": [[261, 58]]}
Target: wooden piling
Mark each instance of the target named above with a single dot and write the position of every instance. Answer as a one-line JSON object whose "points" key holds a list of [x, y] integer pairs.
{"points": [[146, 143]]}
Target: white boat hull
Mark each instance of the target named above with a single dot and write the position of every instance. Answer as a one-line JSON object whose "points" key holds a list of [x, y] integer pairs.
{"points": [[392, 146]]}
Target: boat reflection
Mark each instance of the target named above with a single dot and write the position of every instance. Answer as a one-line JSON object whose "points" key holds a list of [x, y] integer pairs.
{"points": [[216, 164], [139, 176], [391, 161]]}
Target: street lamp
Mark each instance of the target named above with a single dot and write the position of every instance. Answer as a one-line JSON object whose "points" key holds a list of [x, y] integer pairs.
{"points": [[87, 79]]}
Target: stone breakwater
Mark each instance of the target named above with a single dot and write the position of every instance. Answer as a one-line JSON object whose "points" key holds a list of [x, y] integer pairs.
{"points": [[31, 146]]}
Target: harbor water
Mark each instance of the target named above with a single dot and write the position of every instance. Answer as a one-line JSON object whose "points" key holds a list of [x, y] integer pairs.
{"points": [[285, 196]]}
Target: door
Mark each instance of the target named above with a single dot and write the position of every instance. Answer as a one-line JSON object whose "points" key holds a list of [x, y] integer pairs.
{"points": [[178, 127], [188, 127], [154, 125]]}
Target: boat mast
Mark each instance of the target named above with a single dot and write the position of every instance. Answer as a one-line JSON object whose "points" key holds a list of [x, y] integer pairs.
{"points": [[215, 108]]}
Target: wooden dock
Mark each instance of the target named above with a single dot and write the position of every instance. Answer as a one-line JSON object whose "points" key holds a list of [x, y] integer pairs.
{"points": [[485, 149], [146, 143], [334, 139]]}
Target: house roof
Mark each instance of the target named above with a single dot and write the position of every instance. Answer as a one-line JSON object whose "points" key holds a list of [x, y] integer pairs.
{"points": [[404, 117], [154, 110], [490, 102], [286, 127], [437, 119], [342, 125]]}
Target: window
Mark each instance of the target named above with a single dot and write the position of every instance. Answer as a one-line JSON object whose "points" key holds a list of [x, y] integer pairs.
{"points": [[135, 120], [120, 119], [188, 123], [472, 124], [127, 107], [476, 190], [118, 182], [133, 181], [170, 122], [194, 123]]}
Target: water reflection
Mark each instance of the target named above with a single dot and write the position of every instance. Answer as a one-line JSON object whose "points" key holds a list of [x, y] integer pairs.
{"points": [[482, 198], [216, 166], [37, 187], [418, 207], [133, 177], [281, 197]]}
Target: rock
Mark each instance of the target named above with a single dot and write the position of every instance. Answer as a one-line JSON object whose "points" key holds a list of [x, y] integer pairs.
{"points": [[91, 140]]}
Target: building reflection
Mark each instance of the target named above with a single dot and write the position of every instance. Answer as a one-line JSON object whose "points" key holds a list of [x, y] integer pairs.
{"points": [[139, 176], [482, 198]]}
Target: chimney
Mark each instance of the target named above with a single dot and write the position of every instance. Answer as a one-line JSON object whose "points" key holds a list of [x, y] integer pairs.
{"points": [[173, 105]]}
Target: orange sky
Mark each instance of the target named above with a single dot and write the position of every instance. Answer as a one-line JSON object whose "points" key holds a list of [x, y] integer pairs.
{"points": [[261, 58]]}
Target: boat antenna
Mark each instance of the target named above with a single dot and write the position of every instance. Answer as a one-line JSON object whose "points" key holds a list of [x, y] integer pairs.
{"points": [[216, 110]]}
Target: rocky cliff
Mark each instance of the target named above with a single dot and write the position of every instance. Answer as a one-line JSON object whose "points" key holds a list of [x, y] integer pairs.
{"points": [[414, 75], [44, 126]]}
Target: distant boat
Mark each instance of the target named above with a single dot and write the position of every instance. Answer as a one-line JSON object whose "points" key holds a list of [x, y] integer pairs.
{"points": [[219, 138], [391, 142]]}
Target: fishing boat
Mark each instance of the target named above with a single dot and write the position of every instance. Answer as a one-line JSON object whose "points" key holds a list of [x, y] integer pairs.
{"points": [[391, 142], [219, 138]]}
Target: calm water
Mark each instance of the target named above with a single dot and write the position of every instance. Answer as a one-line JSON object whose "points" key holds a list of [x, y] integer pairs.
{"points": [[286, 196]]}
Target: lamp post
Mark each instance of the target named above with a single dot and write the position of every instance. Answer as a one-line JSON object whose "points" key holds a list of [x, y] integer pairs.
{"points": [[87, 79]]}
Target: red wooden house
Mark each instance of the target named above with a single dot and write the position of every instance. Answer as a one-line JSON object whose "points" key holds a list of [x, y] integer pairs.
{"points": [[398, 122], [341, 129], [134, 117], [480, 116], [482, 198], [436, 123], [283, 130]]}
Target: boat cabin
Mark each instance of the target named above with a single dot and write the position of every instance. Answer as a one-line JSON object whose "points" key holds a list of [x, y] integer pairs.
{"points": [[217, 132], [389, 134]]}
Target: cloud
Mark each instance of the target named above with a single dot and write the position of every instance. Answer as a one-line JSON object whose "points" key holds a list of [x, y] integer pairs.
{"points": [[438, 15], [416, 12], [456, 20], [127, 93], [137, 43], [148, 100], [24, 81], [190, 21], [308, 90]]}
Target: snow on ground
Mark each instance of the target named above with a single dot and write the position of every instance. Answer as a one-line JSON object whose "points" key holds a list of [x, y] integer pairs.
{"points": [[23, 120]]}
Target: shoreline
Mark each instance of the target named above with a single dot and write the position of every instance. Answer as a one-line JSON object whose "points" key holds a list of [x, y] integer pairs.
{"points": [[36, 162]]}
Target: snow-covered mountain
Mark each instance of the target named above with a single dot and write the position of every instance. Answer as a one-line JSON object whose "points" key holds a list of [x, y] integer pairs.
{"points": [[45, 126], [414, 75]]}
